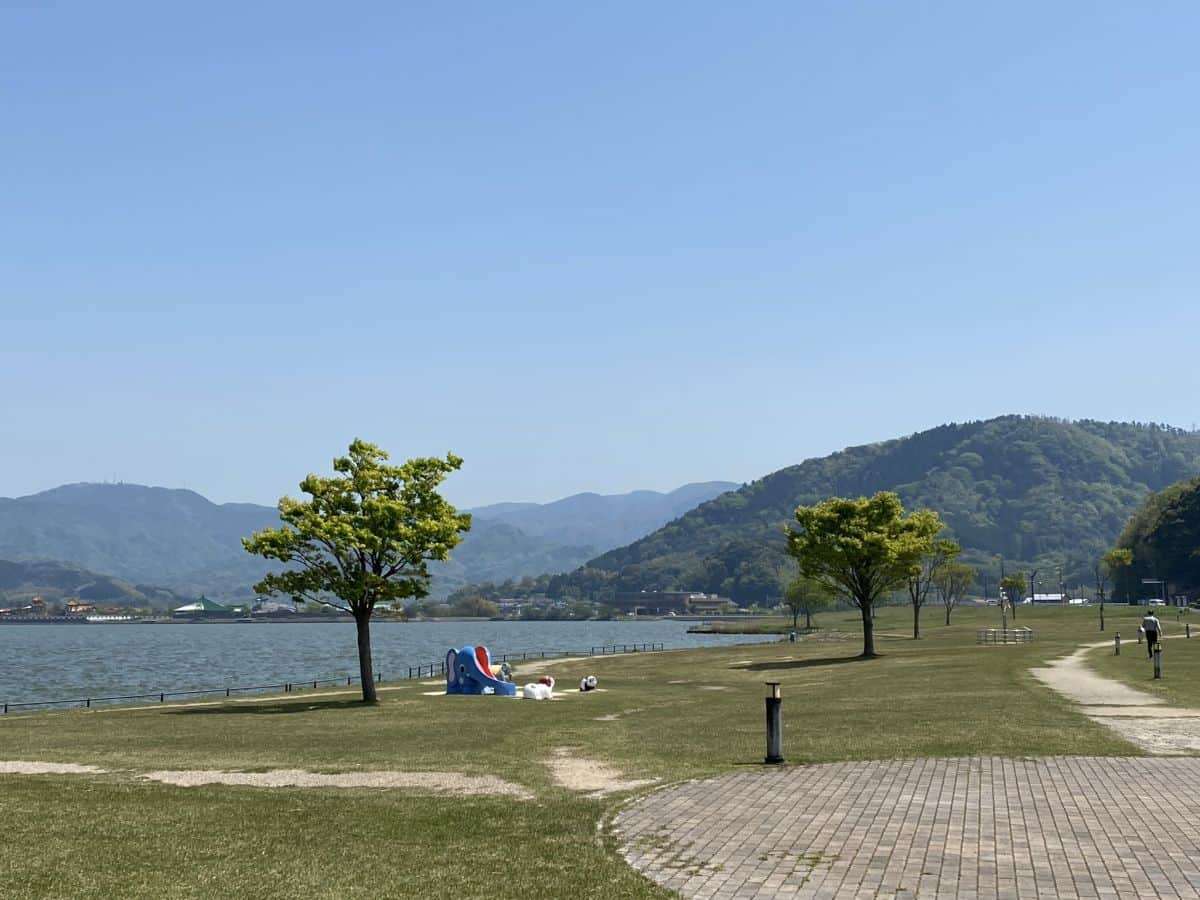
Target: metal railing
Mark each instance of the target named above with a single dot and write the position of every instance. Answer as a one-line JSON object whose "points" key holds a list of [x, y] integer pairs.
{"points": [[428, 670], [1022, 635]]}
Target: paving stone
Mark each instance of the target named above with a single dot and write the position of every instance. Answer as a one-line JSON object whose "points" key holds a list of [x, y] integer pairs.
{"points": [[1061, 827]]}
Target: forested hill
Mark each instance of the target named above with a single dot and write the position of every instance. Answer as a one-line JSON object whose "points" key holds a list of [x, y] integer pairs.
{"points": [[1036, 490], [21, 582], [1164, 536]]}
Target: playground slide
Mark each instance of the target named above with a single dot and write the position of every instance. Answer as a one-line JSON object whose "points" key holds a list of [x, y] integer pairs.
{"points": [[484, 660], [468, 671]]}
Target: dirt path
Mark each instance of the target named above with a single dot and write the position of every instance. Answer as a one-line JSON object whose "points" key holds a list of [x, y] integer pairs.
{"points": [[1140, 718]]}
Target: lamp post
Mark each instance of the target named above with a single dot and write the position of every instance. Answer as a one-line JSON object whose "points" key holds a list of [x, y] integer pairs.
{"points": [[774, 725]]}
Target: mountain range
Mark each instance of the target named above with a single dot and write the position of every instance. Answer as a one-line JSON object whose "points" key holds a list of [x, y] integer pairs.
{"points": [[602, 520], [1041, 492], [180, 539]]}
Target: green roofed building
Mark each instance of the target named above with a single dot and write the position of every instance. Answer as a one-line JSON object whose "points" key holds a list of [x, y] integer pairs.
{"points": [[202, 609]]}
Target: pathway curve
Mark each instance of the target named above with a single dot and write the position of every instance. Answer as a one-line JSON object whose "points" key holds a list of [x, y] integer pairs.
{"points": [[1069, 827], [1140, 718]]}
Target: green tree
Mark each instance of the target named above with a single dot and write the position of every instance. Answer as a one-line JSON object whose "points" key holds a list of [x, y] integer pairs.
{"points": [[952, 582], [941, 554], [806, 595], [1110, 567], [862, 548], [476, 607], [364, 536]]}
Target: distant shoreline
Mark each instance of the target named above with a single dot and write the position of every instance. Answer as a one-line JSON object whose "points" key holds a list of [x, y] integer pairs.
{"points": [[342, 620]]}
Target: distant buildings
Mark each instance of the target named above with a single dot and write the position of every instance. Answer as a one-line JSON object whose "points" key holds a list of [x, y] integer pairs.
{"points": [[273, 609], [710, 604], [1051, 598], [664, 602], [203, 609]]}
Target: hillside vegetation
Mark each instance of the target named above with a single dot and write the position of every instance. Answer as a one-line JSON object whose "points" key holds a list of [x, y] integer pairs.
{"points": [[1039, 491], [20, 582], [1164, 535]]}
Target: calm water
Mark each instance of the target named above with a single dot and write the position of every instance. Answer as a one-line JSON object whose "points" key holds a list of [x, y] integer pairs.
{"points": [[58, 662]]}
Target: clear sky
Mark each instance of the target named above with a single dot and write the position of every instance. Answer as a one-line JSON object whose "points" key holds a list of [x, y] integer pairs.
{"points": [[585, 246]]}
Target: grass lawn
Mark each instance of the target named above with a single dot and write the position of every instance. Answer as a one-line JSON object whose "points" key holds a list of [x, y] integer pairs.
{"points": [[114, 835]]}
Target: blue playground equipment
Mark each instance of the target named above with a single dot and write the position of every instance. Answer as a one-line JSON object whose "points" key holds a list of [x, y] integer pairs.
{"points": [[469, 671]]}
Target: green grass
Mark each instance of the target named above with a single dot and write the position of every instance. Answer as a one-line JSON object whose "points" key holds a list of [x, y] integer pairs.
{"points": [[101, 836]]}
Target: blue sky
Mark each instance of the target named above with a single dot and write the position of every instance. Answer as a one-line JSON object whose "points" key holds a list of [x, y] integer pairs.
{"points": [[586, 247]]}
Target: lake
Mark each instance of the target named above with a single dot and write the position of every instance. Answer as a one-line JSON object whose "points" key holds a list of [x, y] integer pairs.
{"points": [[61, 662]]}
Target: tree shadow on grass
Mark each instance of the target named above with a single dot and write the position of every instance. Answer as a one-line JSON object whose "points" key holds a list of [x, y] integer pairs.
{"points": [[786, 664], [271, 709]]}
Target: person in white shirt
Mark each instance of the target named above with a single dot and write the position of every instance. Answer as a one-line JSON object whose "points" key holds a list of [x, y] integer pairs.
{"points": [[1154, 631]]}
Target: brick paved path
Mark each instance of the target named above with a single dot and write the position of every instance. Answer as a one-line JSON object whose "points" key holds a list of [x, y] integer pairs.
{"points": [[1070, 827]]}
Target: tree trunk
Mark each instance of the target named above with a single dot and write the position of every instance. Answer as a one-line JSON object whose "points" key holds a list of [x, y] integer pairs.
{"points": [[868, 617], [916, 621], [1101, 615], [807, 619], [795, 620], [366, 671], [948, 608]]}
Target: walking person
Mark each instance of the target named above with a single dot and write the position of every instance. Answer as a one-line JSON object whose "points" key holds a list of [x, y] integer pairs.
{"points": [[1154, 631]]}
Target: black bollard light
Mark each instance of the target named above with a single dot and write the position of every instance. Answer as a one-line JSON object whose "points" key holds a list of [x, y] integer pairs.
{"points": [[774, 725], [1117, 644], [1158, 660]]}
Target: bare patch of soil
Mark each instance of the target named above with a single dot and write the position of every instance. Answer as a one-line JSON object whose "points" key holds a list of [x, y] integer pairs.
{"points": [[612, 717], [22, 767], [430, 782], [590, 776]]}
